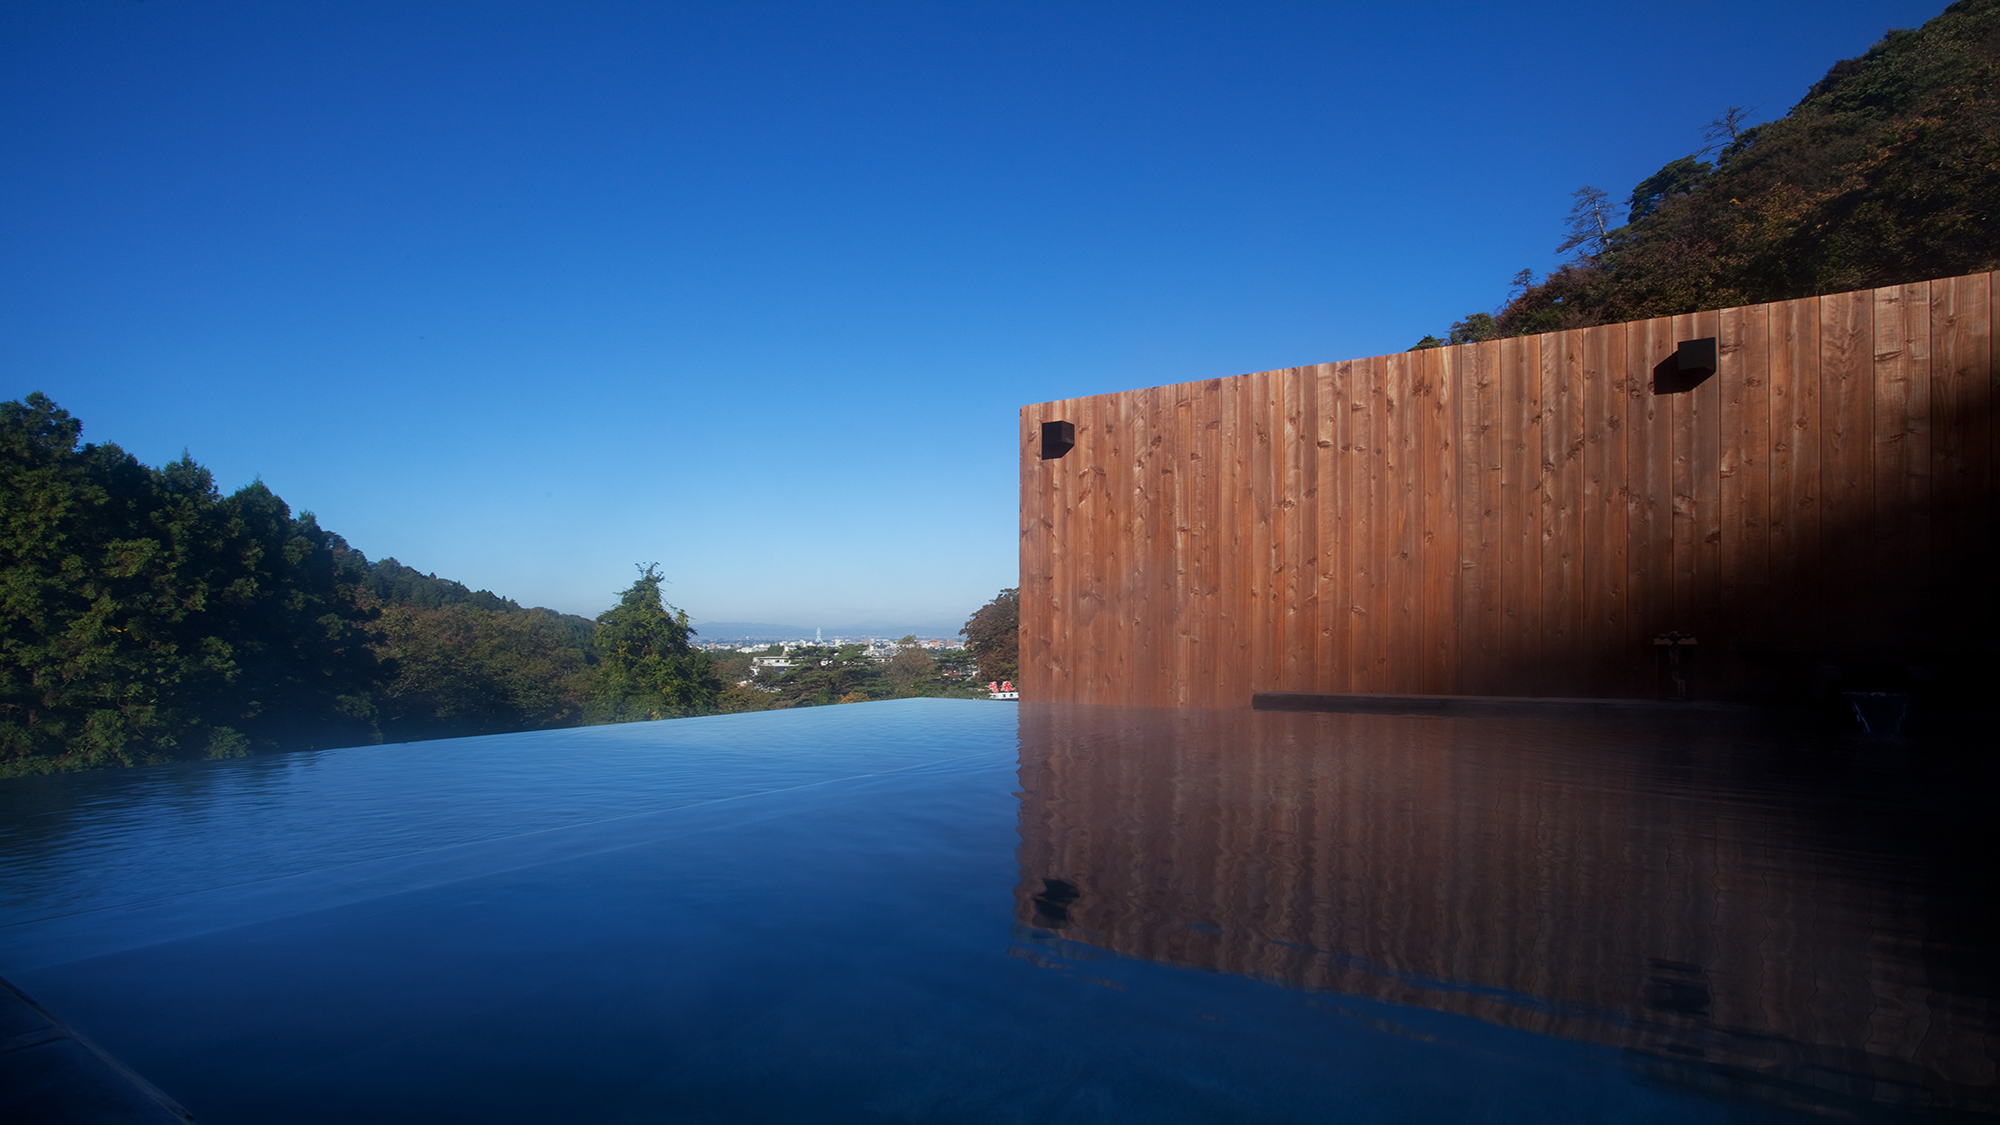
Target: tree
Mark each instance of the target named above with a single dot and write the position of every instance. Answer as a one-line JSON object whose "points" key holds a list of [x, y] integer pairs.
{"points": [[993, 636], [149, 618], [1887, 171], [460, 670], [1725, 131], [1474, 328], [1589, 222], [909, 669], [646, 668], [1679, 177]]}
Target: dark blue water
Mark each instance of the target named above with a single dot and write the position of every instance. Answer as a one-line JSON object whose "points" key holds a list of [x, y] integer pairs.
{"points": [[965, 911]]}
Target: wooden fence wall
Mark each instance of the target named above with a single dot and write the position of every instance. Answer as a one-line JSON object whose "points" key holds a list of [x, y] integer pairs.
{"points": [[1524, 516]]}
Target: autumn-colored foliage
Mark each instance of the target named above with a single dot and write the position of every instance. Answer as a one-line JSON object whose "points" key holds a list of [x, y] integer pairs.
{"points": [[1887, 171]]}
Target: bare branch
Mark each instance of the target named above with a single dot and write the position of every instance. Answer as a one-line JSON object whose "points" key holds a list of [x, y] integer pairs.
{"points": [[1589, 221]]}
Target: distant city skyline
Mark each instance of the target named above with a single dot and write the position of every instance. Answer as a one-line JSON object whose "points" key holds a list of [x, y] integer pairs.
{"points": [[714, 629], [522, 295]]}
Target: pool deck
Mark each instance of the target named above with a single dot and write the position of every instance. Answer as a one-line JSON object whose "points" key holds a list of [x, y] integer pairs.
{"points": [[49, 1074]]}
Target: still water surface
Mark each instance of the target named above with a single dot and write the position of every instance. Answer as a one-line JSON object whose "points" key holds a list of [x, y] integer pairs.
{"points": [[966, 911]]}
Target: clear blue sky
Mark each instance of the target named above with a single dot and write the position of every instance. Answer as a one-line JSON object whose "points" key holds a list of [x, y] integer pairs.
{"points": [[524, 294]]}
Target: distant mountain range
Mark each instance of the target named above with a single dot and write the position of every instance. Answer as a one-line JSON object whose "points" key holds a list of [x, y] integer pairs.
{"points": [[768, 631]]}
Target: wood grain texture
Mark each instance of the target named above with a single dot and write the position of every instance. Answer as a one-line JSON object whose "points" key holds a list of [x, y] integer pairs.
{"points": [[1649, 522], [1846, 465], [1605, 483], [1364, 556], [1902, 453], [1437, 418], [1963, 404], [1481, 667], [1562, 648], [1525, 515], [1699, 495], [1519, 515], [1795, 444], [1404, 503], [1744, 473]]}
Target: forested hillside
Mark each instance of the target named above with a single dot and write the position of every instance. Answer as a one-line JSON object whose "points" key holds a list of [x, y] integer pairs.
{"points": [[148, 618], [1887, 171]]}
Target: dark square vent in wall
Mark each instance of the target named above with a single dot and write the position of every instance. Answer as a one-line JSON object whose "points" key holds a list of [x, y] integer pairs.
{"points": [[1696, 358], [1692, 363], [1058, 438]]}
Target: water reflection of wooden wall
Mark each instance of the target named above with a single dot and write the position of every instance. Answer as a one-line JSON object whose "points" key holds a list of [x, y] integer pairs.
{"points": [[1457, 866], [1523, 516]]}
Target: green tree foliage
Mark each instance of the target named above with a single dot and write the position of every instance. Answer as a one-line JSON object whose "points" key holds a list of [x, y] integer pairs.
{"points": [[830, 674], [646, 669], [825, 674], [458, 669], [391, 583], [459, 661], [908, 668], [1887, 171], [993, 636], [1474, 328], [149, 618]]}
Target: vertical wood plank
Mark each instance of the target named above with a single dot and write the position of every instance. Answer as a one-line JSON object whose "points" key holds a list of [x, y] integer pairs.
{"points": [[1304, 641], [1519, 514], [1697, 501], [1163, 557], [1405, 593], [1076, 526], [1605, 400], [1183, 618], [1080, 515], [1902, 453], [1238, 670], [1847, 478], [1031, 545], [1381, 493], [1439, 540], [1795, 447], [1281, 504], [1101, 513], [1364, 574], [1223, 656], [1254, 671], [1205, 639], [1293, 660], [1348, 643], [1331, 674], [1478, 518], [1562, 515], [1124, 610], [1060, 658], [1962, 404], [1649, 508], [1684, 428], [1744, 336]]}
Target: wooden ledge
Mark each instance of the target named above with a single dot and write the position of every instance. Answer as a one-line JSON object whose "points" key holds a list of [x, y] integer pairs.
{"points": [[1493, 706]]}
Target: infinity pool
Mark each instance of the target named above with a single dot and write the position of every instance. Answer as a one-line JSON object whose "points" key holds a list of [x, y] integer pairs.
{"points": [[972, 911]]}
